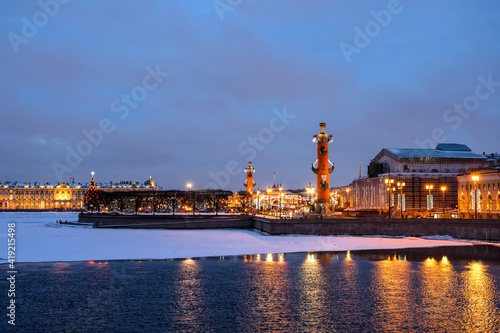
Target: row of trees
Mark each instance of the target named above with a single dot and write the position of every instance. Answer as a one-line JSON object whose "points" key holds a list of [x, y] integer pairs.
{"points": [[157, 201]]}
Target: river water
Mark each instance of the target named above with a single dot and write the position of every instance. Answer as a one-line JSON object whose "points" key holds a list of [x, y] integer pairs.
{"points": [[448, 289]]}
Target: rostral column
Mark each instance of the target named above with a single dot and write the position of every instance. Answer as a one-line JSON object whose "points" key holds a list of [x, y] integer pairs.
{"points": [[322, 168], [249, 183]]}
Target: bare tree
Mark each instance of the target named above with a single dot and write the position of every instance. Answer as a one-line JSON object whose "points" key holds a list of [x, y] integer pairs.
{"points": [[216, 198], [156, 199], [173, 199]]}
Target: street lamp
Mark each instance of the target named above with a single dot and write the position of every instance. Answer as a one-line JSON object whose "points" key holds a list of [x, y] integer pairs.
{"points": [[429, 198], [388, 183], [258, 200], [189, 186], [268, 198], [348, 203], [401, 185], [443, 188], [475, 178], [281, 200], [310, 191]]}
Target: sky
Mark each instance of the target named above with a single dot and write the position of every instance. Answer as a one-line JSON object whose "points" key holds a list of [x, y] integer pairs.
{"points": [[190, 91]]}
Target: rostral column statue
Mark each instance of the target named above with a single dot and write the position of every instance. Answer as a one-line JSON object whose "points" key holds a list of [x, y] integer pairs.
{"points": [[322, 169]]}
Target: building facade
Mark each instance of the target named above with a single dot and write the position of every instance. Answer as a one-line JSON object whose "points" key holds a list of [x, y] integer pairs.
{"points": [[37, 196], [479, 190], [415, 181]]}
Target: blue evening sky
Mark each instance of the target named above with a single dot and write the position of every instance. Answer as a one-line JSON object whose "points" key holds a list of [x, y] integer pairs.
{"points": [[189, 91]]}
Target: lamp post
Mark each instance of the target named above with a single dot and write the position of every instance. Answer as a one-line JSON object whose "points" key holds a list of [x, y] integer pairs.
{"points": [[258, 200], [388, 183], [268, 198], [348, 203], [475, 178], [401, 185], [189, 186], [429, 200], [281, 199], [443, 189], [309, 191]]}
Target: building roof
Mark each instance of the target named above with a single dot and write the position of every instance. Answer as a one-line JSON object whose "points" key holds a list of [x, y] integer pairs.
{"points": [[452, 147], [442, 150], [122, 185], [434, 153]]}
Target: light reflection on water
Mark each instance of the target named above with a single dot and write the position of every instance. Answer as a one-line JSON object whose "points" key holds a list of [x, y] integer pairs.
{"points": [[266, 299], [391, 288], [189, 294], [368, 291], [439, 298], [313, 295], [480, 295]]}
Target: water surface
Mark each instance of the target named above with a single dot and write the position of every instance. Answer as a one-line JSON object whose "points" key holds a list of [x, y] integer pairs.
{"points": [[452, 289]]}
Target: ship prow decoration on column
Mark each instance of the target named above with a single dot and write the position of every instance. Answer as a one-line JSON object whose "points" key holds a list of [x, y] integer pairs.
{"points": [[249, 183], [323, 168]]}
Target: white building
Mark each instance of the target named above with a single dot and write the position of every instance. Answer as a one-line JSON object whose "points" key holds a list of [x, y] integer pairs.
{"points": [[485, 189]]}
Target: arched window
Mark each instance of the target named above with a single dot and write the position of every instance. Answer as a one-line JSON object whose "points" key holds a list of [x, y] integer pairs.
{"points": [[387, 167], [434, 170]]}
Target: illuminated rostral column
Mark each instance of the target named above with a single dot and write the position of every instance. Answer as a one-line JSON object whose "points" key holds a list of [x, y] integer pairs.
{"points": [[249, 183], [322, 168]]}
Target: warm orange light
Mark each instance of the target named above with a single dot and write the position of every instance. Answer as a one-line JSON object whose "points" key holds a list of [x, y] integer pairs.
{"points": [[269, 257], [443, 188], [429, 187], [348, 256]]}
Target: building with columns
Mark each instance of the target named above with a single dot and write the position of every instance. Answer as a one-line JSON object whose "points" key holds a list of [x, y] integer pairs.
{"points": [[427, 179], [50, 196], [479, 190]]}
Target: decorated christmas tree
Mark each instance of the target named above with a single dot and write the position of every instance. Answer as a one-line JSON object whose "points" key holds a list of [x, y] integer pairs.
{"points": [[91, 198]]}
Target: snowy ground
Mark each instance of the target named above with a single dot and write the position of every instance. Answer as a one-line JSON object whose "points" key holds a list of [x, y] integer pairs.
{"points": [[39, 238]]}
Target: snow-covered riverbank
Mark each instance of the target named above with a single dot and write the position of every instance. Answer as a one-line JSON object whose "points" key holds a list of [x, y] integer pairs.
{"points": [[40, 238]]}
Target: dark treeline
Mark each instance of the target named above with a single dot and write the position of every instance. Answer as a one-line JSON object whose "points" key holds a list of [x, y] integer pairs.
{"points": [[160, 201]]}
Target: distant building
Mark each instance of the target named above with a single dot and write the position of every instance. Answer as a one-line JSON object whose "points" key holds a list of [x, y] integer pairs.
{"points": [[271, 199], [486, 189], [416, 168], [343, 195], [33, 196]]}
